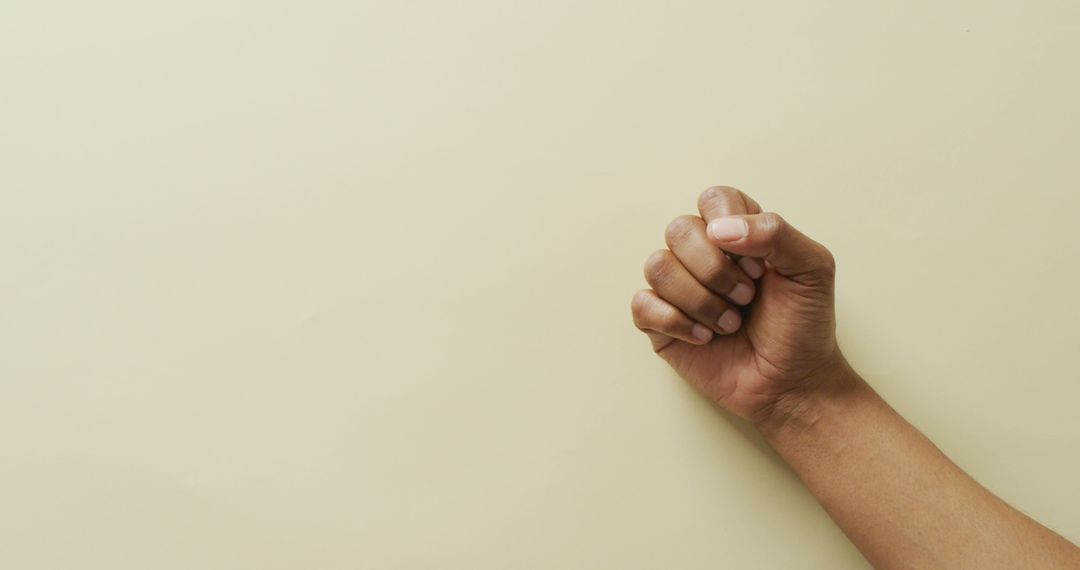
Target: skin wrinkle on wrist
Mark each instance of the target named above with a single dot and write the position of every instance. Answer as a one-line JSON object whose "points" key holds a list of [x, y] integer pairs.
{"points": [[800, 409]]}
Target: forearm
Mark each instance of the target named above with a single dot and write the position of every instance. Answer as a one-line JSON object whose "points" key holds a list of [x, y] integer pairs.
{"points": [[897, 497]]}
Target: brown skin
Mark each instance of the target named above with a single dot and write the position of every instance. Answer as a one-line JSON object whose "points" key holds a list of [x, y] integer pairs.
{"points": [[897, 497], [789, 331]]}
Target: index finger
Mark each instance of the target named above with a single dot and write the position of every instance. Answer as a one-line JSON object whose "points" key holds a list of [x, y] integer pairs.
{"points": [[722, 201]]}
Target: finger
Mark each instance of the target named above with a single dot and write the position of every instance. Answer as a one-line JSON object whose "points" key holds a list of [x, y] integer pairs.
{"points": [[769, 236], [686, 238], [722, 201], [673, 283], [752, 266], [664, 323]]}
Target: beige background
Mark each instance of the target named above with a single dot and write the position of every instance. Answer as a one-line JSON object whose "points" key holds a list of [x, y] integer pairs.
{"points": [[346, 285]]}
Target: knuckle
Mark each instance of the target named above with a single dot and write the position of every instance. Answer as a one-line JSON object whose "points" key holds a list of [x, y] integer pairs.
{"points": [[670, 322], [719, 275], [772, 225], [639, 304], [680, 228], [658, 265], [640, 307], [703, 305], [717, 194]]}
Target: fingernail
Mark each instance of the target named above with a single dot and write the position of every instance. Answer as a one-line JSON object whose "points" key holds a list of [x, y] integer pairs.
{"points": [[741, 294], [702, 332], [729, 321], [727, 229], [752, 266]]}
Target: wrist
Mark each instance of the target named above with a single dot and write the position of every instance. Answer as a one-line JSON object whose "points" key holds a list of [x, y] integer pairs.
{"points": [[825, 392]]}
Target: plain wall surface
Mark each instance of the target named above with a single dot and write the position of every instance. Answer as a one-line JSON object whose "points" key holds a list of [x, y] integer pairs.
{"points": [[346, 285]]}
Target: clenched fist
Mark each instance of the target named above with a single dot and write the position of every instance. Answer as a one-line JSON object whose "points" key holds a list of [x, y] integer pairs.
{"points": [[741, 306]]}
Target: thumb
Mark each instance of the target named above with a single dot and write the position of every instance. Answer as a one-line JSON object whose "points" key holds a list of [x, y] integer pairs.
{"points": [[770, 237]]}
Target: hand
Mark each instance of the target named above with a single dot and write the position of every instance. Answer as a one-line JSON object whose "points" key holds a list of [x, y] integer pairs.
{"points": [[780, 343]]}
